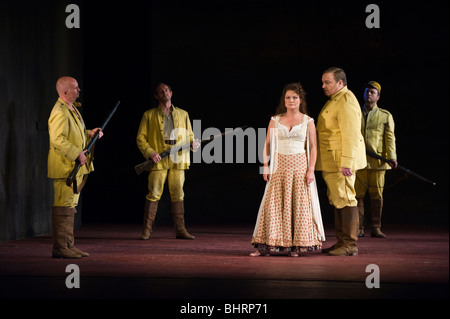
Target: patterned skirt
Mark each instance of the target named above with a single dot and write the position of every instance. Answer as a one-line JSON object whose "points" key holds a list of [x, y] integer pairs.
{"points": [[285, 221]]}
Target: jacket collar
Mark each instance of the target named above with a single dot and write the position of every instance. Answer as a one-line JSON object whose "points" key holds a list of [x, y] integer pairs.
{"points": [[365, 111], [336, 95], [160, 111], [174, 113], [76, 115]]}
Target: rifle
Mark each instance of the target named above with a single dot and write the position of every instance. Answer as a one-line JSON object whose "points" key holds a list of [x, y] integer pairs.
{"points": [[145, 165], [407, 171], [71, 179]]}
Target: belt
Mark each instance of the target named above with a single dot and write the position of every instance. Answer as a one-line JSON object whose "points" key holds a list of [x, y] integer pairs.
{"points": [[170, 142]]}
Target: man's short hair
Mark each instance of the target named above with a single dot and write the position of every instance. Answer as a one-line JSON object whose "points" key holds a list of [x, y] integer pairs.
{"points": [[159, 84], [338, 73]]}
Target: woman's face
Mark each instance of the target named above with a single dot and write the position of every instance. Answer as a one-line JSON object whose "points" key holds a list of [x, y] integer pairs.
{"points": [[292, 100]]}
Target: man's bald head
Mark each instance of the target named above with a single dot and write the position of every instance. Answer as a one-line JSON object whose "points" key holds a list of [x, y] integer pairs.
{"points": [[67, 88], [64, 83]]}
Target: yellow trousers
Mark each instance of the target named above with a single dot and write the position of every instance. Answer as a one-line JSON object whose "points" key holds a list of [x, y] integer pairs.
{"points": [[63, 194], [340, 189], [372, 181], [175, 180]]}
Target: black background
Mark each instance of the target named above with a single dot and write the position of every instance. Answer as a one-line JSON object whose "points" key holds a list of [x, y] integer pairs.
{"points": [[227, 62]]}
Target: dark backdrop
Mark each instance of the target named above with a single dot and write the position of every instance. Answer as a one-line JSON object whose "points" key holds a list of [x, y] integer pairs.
{"points": [[227, 62], [35, 49]]}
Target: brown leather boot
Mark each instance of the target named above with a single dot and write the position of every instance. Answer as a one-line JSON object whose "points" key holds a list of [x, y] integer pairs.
{"points": [[70, 236], [338, 230], [149, 216], [177, 209], [62, 220], [361, 216], [376, 207], [350, 225]]}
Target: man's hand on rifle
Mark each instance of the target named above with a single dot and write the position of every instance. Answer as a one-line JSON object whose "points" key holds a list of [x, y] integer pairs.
{"points": [[195, 145], [393, 163], [94, 131], [155, 157], [82, 158]]}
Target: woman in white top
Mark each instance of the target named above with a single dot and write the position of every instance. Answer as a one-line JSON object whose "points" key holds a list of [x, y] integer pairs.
{"points": [[289, 219]]}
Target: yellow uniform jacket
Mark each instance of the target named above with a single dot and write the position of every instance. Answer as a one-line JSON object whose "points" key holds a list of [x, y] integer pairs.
{"points": [[150, 137], [68, 138], [339, 139], [377, 127]]}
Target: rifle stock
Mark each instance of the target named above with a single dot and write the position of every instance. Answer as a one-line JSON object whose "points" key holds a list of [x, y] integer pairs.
{"points": [[140, 168]]}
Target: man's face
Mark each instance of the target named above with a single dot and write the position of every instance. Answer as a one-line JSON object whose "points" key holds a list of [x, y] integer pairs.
{"points": [[371, 95], [72, 91], [329, 84], [163, 93]]}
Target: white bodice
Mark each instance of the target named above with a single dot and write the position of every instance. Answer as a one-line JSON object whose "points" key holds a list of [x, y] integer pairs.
{"points": [[292, 141]]}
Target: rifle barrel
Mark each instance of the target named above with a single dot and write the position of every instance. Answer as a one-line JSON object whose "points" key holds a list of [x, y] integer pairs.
{"points": [[70, 179], [92, 142], [407, 171]]}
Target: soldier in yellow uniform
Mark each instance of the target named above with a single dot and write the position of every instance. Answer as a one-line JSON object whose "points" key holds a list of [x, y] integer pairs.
{"points": [[341, 153], [162, 128], [377, 127], [68, 139]]}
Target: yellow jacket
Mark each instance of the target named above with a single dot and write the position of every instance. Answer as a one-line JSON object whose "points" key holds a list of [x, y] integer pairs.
{"points": [[378, 132], [339, 139], [68, 138], [150, 137]]}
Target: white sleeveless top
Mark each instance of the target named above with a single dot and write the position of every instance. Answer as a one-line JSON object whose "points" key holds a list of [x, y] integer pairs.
{"points": [[293, 141]]}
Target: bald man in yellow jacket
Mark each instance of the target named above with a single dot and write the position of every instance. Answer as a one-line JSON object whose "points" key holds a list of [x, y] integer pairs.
{"points": [[162, 128], [341, 152], [68, 139]]}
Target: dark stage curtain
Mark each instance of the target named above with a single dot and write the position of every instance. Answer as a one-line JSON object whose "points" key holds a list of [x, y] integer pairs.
{"points": [[36, 48]]}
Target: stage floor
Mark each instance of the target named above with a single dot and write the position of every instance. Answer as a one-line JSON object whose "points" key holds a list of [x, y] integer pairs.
{"points": [[413, 262]]}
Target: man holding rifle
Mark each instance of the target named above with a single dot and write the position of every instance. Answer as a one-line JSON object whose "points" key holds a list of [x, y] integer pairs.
{"points": [[377, 127], [68, 140], [161, 129]]}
